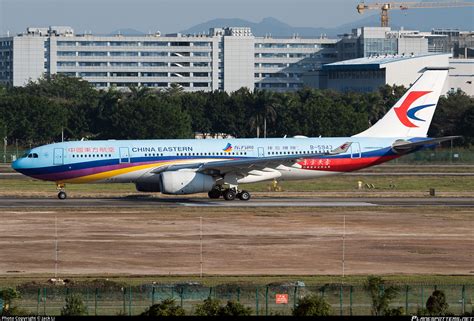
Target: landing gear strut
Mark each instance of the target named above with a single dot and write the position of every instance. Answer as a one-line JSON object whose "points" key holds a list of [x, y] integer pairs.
{"points": [[62, 193], [229, 194]]}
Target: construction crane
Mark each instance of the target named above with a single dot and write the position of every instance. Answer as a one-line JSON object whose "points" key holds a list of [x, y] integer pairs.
{"points": [[386, 6]]}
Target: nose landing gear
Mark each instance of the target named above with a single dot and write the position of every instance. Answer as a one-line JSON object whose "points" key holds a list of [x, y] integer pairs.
{"points": [[62, 192]]}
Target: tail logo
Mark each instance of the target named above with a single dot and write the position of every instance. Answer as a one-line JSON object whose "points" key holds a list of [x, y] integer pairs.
{"points": [[404, 113], [228, 148]]}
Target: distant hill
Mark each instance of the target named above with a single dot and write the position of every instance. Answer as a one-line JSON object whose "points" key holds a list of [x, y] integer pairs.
{"points": [[126, 32], [418, 19], [268, 26]]}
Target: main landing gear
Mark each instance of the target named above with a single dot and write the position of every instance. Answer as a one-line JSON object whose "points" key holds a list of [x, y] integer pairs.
{"points": [[229, 194], [61, 191]]}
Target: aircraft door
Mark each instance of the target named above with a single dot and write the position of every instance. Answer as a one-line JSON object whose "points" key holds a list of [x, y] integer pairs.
{"points": [[124, 155], [58, 157], [261, 152], [355, 150]]}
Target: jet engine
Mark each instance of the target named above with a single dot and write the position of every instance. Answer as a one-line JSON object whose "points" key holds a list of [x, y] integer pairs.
{"points": [[184, 182], [148, 187]]}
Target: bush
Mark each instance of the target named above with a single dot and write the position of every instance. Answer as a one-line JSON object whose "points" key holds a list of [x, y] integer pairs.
{"points": [[212, 307], [167, 307], [74, 306], [209, 308], [394, 312], [312, 305], [234, 308]]}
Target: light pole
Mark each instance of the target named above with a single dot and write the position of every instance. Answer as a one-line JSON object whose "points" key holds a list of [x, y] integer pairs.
{"points": [[5, 149]]}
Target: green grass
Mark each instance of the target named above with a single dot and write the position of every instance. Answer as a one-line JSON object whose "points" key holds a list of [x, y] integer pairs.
{"points": [[388, 183], [257, 280], [333, 183]]}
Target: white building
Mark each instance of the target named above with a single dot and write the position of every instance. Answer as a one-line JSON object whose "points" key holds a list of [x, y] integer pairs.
{"points": [[224, 59], [370, 73]]}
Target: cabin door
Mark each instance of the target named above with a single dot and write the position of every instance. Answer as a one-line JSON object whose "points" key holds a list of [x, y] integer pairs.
{"points": [[124, 155], [58, 158], [355, 150]]}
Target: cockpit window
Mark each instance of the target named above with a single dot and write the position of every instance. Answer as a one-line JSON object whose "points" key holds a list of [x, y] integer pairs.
{"points": [[30, 155], [25, 155]]}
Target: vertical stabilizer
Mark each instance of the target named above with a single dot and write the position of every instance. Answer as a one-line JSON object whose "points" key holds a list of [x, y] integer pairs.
{"points": [[411, 115]]}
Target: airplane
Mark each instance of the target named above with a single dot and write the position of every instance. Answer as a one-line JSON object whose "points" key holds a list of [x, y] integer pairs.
{"points": [[220, 166]]}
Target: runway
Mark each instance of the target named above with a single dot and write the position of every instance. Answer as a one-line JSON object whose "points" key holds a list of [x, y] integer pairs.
{"points": [[11, 175], [147, 202]]}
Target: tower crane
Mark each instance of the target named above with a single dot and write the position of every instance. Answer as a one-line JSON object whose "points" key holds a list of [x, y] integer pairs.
{"points": [[386, 6]]}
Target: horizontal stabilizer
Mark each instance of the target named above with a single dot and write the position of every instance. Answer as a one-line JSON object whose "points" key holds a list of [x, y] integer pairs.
{"points": [[403, 146]]}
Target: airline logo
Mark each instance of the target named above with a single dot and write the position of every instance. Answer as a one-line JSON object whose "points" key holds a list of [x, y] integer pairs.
{"points": [[228, 148], [405, 113]]}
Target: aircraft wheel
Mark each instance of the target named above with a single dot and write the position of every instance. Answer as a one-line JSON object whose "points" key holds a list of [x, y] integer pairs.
{"points": [[62, 195], [229, 195], [214, 194], [244, 196]]}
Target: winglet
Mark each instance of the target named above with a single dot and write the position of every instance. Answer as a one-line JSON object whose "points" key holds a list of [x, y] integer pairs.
{"points": [[341, 149]]}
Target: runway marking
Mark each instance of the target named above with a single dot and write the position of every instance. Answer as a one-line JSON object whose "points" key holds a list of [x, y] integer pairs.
{"points": [[50, 203], [278, 204]]}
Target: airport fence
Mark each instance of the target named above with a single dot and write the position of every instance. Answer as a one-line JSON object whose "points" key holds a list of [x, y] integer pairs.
{"points": [[345, 300]]}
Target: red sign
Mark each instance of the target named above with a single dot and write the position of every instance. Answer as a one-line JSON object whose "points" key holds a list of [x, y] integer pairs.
{"points": [[281, 298]]}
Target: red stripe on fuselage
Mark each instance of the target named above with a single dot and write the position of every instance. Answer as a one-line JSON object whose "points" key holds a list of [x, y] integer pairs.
{"points": [[343, 164]]}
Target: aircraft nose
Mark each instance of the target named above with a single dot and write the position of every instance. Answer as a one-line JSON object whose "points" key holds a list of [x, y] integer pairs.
{"points": [[16, 164]]}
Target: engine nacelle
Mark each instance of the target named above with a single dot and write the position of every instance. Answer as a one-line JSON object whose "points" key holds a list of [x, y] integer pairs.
{"points": [[184, 182], [148, 187]]}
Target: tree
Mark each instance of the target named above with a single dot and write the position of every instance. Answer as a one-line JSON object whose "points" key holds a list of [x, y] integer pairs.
{"points": [[167, 308], [137, 93], [381, 296], [436, 304], [264, 108], [74, 306], [452, 117], [312, 305]]}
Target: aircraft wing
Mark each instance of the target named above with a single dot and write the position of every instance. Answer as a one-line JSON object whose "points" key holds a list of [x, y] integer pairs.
{"points": [[247, 165], [404, 146]]}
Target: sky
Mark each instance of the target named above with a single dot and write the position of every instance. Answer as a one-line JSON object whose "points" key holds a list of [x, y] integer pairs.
{"points": [[105, 16]]}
